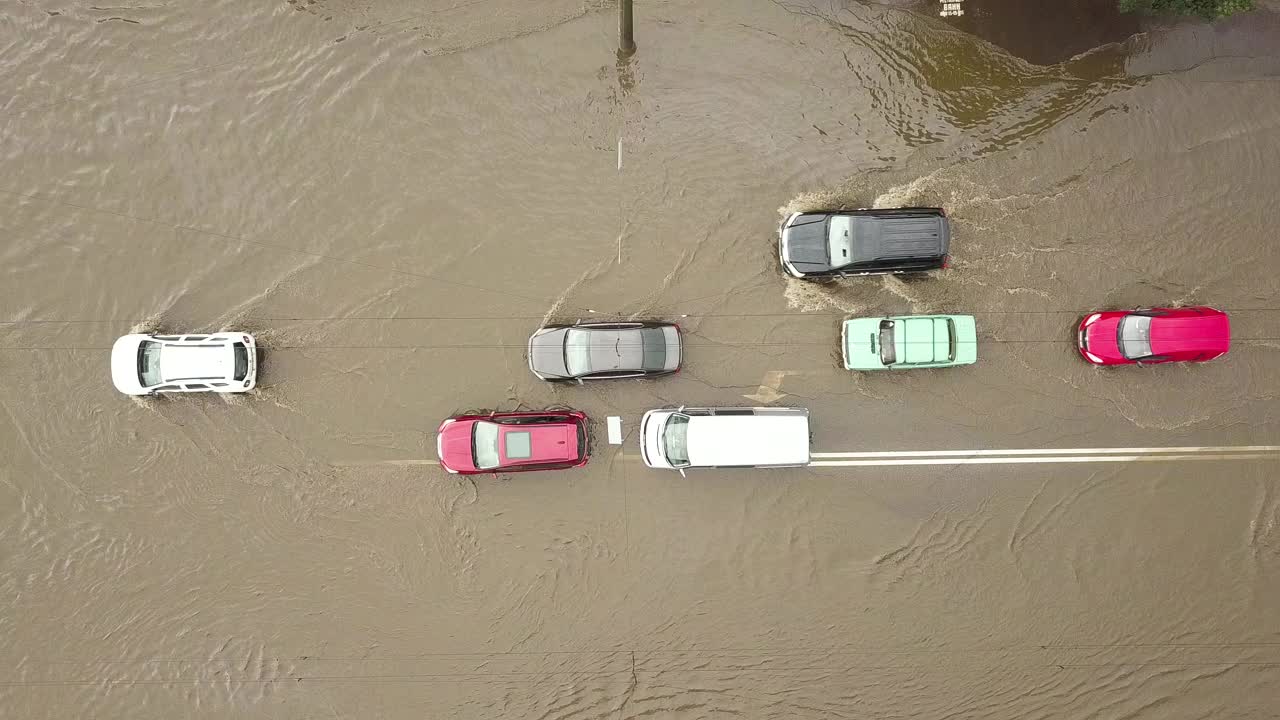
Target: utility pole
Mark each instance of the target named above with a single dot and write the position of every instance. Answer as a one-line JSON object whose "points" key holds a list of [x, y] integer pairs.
{"points": [[626, 29]]}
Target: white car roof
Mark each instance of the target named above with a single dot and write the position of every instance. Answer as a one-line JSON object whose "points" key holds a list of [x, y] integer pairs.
{"points": [[207, 360], [722, 440]]}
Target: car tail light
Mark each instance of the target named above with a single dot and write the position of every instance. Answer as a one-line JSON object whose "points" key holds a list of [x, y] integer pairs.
{"points": [[946, 262]]}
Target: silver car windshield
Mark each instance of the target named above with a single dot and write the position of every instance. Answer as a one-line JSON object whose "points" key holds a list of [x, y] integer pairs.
{"points": [[675, 440], [1135, 336], [577, 352], [840, 240], [149, 363], [484, 445]]}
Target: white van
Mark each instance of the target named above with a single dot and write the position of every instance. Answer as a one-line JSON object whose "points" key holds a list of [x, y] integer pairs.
{"points": [[729, 437]]}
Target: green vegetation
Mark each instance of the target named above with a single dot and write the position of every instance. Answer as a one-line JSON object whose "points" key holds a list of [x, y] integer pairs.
{"points": [[1203, 8]]}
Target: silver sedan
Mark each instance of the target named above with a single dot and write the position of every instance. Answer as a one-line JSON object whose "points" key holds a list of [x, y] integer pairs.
{"points": [[605, 351]]}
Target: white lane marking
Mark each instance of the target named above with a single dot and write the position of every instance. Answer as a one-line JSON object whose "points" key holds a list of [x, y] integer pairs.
{"points": [[1052, 451], [1043, 459], [383, 463]]}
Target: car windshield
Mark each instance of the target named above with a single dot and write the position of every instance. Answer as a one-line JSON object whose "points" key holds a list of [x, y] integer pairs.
{"points": [[1135, 336], [577, 352], [484, 445], [887, 354], [675, 437], [149, 363], [840, 240]]}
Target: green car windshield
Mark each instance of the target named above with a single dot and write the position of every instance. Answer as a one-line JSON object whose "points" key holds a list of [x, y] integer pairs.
{"points": [[887, 354]]}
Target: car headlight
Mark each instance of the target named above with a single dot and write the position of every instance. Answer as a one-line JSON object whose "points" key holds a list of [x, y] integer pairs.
{"points": [[1091, 319], [1092, 358]]}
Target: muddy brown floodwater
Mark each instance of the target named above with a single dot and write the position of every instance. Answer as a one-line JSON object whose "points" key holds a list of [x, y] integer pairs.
{"points": [[394, 194]]}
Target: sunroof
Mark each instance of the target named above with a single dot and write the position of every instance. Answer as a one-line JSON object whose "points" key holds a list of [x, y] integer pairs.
{"points": [[518, 445]]}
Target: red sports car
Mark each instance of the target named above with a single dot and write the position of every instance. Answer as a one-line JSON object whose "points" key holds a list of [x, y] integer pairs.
{"points": [[1154, 335], [512, 442]]}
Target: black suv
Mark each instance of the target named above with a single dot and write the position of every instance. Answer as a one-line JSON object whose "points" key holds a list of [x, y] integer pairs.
{"points": [[864, 242]]}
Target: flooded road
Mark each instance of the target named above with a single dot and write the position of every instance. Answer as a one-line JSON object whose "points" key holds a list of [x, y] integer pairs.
{"points": [[394, 195]]}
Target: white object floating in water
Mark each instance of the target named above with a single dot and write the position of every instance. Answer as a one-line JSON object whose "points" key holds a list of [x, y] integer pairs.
{"points": [[951, 8], [614, 423]]}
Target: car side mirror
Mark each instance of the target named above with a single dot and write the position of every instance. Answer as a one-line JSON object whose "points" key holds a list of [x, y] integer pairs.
{"points": [[580, 382], [682, 473]]}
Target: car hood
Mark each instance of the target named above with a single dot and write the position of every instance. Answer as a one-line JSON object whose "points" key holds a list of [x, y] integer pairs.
{"points": [[454, 445], [805, 244], [1101, 340], [124, 365], [860, 340], [546, 353]]}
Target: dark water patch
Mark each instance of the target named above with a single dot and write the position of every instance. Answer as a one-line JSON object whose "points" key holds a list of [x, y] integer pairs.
{"points": [[1044, 33]]}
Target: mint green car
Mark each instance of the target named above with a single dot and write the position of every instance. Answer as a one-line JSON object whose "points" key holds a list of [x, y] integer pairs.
{"points": [[911, 341]]}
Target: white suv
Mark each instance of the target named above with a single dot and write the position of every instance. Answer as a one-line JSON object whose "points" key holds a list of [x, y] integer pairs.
{"points": [[218, 362]]}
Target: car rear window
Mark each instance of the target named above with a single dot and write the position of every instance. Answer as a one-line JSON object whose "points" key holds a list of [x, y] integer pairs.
{"points": [[242, 361], [654, 343]]}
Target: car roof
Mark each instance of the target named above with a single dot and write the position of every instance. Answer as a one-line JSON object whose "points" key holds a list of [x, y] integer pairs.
{"points": [[922, 340], [612, 349], [537, 443], [724, 440], [1190, 334], [179, 362]]}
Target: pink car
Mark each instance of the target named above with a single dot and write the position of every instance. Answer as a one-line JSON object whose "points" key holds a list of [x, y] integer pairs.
{"points": [[512, 442], [1154, 335]]}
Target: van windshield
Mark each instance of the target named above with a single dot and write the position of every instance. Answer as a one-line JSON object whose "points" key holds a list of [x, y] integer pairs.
{"points": [[675, 438]]}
